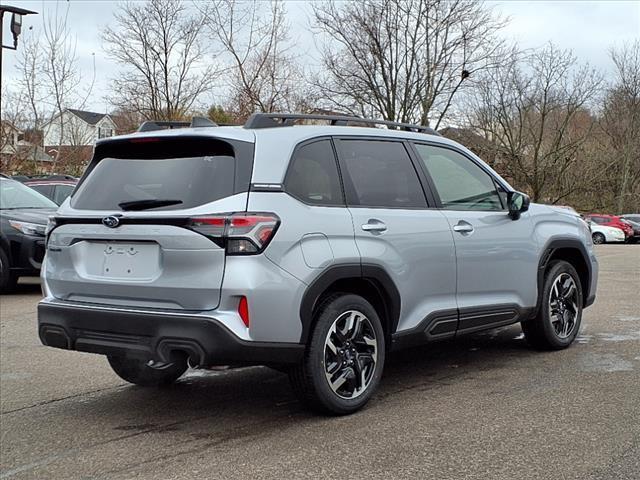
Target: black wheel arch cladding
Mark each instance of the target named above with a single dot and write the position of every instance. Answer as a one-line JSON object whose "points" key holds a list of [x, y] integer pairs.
{"points": [[573, 252], [376, 279]]}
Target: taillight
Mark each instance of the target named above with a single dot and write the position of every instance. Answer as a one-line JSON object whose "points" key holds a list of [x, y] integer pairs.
{"points": [[209, 226], [240, 233]]}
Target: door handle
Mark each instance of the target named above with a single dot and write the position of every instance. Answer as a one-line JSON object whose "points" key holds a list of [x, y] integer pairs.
{"points": [[463, 227], [374, 225]]}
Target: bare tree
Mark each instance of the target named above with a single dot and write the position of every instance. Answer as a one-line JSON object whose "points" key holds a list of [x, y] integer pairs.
{"points": [[621, 124], [254, 36], [403, 60], [534, 111], [50, 82], [160, 45], [59, 70], [31, 81]]}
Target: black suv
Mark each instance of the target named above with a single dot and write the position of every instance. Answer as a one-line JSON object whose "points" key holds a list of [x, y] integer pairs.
{"points": [[23, 221]]}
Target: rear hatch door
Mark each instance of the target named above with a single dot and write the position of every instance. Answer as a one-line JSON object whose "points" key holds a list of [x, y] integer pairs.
{"points": [[125, 238]]}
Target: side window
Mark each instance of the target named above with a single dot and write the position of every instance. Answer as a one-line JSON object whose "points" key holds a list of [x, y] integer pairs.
{"points": [[46, 190], [380, 174], [62, 192], [313, 175], [461, 184]]}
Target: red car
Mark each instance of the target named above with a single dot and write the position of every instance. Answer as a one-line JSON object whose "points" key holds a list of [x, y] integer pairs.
{"points": [[611, 221]]}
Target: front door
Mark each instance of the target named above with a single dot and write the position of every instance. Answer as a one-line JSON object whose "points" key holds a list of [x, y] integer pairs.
{"points": [[496, 256]]}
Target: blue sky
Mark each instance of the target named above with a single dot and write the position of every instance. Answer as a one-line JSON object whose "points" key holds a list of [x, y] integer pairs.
{"points": [[589, 28]]}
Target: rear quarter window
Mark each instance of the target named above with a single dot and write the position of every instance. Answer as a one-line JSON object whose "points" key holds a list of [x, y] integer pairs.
{"points": [[313, 175]]}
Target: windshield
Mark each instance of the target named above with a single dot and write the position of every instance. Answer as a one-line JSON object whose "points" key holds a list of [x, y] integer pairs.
{"points": [[16, 195]]}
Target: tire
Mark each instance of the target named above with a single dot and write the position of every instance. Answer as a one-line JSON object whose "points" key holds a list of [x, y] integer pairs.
{"points": [[8, 280], [598, 238], [137, 371], [560, 314], [351, 358]]}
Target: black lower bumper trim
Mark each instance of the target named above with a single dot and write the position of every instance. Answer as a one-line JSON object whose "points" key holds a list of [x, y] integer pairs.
{"points": [[155, 336]]}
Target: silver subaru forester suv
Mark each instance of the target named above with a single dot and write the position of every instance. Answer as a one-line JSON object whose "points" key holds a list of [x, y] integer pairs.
{"points": [[312, 248]]}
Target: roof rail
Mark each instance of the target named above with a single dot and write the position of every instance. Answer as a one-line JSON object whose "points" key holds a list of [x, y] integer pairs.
{"points": [[196, 122], [270, 120]]}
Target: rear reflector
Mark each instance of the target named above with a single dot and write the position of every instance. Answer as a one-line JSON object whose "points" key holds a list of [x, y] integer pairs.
{"points": [[243, 311]]}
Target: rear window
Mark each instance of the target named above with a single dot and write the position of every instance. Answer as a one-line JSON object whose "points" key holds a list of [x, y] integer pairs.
{"points": [[157, 177]]}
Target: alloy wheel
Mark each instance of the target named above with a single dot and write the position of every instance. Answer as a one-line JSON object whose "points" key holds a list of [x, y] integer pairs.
{"points": [[563, 305], [350, 354], [598, 238]]}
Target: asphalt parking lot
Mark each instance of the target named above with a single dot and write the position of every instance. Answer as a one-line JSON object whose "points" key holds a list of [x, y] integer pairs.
{"points": [[483, 407]]}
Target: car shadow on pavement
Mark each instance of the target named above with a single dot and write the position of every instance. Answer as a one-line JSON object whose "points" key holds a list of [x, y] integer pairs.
{"points": [[227, 405], [27, 286]]}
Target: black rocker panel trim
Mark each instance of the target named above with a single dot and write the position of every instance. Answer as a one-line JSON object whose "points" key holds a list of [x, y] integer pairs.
{"points": [[375, 274], [476, 319], [450, 323], [438, 325]]}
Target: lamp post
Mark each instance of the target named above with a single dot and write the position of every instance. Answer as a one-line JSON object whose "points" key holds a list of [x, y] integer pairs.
{"points": [[16, 28]]}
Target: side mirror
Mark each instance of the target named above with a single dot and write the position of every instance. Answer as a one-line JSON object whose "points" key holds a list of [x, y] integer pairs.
{"points": [[518, 203]]}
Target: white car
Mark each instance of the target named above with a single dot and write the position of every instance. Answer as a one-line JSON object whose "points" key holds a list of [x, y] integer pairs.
{"points": [[603, 234]]}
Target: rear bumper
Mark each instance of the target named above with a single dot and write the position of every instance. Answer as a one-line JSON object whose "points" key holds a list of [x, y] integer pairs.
{"points": [[154, 335]]}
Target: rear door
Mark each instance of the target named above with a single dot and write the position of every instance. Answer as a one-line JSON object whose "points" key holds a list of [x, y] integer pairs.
{"points": [[497, 257], [128, 237], [396, 229]]}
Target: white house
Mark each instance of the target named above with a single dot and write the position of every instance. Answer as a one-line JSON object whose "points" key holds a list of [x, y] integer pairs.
{"points": [[78, 128], [9, 138]]}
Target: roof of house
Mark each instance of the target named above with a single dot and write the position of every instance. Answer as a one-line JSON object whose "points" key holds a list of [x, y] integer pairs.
{"points": [[90, 117]]}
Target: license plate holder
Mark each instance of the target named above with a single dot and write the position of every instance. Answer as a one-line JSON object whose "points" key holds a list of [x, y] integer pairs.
{"points": [[135, 260]]}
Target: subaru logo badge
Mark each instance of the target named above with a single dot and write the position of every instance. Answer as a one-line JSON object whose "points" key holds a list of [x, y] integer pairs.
{"points": [[111, 222]]}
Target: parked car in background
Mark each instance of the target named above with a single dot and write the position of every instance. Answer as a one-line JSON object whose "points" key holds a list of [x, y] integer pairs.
{"points": [[634, 221], [54, 187], [611, 221], [24, 214], [603, 234]]}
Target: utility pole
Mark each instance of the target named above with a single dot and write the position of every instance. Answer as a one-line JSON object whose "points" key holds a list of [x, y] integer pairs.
{"points": [[16, 27]]}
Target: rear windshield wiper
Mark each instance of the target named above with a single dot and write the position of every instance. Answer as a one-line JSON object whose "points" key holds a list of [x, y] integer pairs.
{"points": [[147, 204]]}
